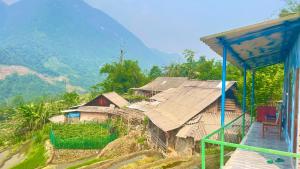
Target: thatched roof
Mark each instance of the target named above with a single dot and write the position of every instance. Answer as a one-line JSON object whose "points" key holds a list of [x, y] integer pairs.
{"points": [[163, 83], [116, 99], [186, 102], [92, 109]]}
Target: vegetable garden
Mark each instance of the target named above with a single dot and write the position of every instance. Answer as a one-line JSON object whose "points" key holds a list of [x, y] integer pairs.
{"points": [[82, 136]]}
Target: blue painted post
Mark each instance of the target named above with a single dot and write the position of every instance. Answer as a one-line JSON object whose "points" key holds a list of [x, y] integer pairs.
{"points": [[223, 104], [252, 96], [244, 101]]}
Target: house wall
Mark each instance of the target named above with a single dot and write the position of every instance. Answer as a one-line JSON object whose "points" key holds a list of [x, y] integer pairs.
{"points": [[291, 103], [92, 116], [157, 136], [99, 101], [185, 146]]}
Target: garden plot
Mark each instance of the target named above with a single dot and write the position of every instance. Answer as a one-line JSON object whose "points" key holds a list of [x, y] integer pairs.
{"points": [[82, 136]]}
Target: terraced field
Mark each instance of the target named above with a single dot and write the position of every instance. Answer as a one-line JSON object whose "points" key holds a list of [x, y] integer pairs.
{"points": [[146, 160]]}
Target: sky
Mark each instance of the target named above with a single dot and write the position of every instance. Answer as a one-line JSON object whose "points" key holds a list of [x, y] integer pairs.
{"points": [[174, 25]]}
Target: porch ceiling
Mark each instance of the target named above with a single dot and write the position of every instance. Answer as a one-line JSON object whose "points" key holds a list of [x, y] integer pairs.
{"points": [[258, 45]]}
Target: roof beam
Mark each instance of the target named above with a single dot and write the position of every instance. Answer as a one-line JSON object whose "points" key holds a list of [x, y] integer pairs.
{"points": [[262, 66], [285, 26], [236, 57], [278, 58]]}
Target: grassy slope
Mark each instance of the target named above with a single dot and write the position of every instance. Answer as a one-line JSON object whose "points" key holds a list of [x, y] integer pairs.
{"points": [[36, 157], [27, 86]]}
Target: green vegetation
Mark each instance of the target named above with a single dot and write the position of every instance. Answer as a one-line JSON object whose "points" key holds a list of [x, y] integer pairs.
{"points": [[89, 162], [121, 76], [13, 85], [133, 98], [293, 7], [20, 120], [35, 158], [82, 136], [71, 131]]}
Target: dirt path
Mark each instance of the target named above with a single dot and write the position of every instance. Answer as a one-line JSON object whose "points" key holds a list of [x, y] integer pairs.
{"points": [[14, 160], [126, 162], [10, 158], [123, 160], [3, 156], [69, 164]]}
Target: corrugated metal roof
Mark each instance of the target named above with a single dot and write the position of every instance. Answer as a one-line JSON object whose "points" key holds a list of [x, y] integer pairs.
{"points": [[187, 101], [163, 96], [257, 45], [207, 123], [116, 99], [163, 83], [143, 105], [96, 109]]}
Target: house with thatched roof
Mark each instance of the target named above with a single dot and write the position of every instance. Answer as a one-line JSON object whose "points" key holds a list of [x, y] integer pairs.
{"points": [[99, 109], [189, 112], [158, 85]]}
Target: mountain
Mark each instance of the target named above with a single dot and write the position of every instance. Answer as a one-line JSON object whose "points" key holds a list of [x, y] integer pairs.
{"points": [[66, 38]]}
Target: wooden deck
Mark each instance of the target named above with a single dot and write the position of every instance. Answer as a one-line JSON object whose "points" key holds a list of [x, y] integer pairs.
{"points": [[254, 160]]}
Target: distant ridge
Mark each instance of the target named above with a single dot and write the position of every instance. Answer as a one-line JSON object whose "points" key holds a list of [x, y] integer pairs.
{"points": [[68, 38]]}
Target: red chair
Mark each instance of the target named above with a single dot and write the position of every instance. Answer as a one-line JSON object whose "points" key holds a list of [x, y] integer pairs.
{"points": [[271, 123]]}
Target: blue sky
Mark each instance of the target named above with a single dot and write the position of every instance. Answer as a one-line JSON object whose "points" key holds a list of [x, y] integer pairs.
{"points": [[174, 25]]}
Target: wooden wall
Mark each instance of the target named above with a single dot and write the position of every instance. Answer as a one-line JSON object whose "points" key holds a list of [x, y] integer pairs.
{"points": [[99, 101]]}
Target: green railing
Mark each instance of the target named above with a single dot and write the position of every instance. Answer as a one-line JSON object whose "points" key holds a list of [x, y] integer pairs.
{"points": [[221, 133]]}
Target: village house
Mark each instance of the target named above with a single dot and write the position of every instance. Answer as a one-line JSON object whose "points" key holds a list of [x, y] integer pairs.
{"points": [[158, 85], [99, 109], [188, 113]]}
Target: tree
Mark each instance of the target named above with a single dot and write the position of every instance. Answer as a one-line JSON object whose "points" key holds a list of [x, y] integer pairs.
{"points": [[34, 116], [121, 76], [70, 99], [190, 64], [155, 72], [293, 7]]}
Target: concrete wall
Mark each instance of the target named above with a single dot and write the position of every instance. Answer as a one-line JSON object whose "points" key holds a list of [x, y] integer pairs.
{"points": [[89, 116]]}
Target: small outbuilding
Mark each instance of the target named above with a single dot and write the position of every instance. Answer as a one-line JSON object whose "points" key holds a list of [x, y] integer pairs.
{"points": [[108, 99], [99, 109]]}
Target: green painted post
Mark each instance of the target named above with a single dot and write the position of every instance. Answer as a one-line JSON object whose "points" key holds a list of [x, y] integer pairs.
{"points": [[203, 154], [252, 96], [222, 149], [244, 101]]}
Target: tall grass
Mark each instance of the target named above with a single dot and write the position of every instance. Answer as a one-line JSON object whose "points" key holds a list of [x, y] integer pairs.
{"points": [[36, 158]]}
